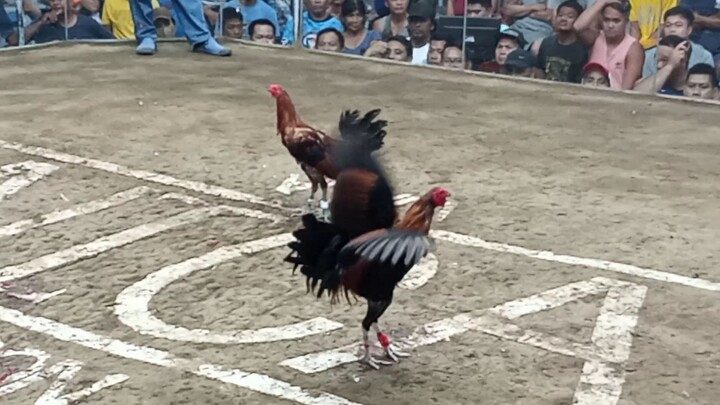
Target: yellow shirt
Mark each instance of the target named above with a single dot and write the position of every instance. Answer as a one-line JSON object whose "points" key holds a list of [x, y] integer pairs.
{"points": [[649, 16], [116, 14]]}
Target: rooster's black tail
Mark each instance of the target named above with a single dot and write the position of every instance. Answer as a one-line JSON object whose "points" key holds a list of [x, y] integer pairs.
{"points": [[366, 132], [315, 250]]}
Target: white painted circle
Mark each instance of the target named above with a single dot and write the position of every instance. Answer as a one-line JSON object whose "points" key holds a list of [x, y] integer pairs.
{"points": [[131, 305]]}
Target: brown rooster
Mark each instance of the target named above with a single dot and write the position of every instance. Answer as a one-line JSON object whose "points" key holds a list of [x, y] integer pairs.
{"points": [[367, 249], [312, 148]]}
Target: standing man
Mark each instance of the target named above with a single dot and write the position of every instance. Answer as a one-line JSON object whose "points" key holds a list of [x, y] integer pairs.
{"points": [[190, 17]]}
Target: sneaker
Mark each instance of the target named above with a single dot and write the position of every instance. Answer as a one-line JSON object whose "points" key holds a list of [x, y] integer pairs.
{"points": [[211, 47], [147, 47]]}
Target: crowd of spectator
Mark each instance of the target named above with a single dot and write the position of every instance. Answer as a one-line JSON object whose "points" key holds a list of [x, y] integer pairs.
{"points": [[670, 47]]}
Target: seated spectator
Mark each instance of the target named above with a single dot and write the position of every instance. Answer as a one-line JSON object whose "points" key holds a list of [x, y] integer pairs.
{"points": [[595, 74], [673, 55], [232, 23], [251, 10], [452, 56], [330, 40], [610, 43], [646, 18], [316, 18], [396, 48], [117, 18], [395, 23], [262, 31], [437, 44], [357, 38], [521, 63], [51, 26], [532, 18], [476, 8], [509, 41], [164, 25], [421, 23], [562, 56], [678, 21], [6, 27], [706, 27], [702, 83]]}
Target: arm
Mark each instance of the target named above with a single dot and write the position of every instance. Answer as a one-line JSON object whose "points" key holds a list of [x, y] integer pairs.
{"points": [[633, 66], [32, 29], [659, 79], [710, 22], [516, 9], [586, 26], [31, 9], [646, 85], [635, 30]]}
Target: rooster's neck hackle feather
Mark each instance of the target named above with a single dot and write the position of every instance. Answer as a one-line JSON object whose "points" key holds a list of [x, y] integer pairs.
{"points": [[419, 216], [287, 117]]}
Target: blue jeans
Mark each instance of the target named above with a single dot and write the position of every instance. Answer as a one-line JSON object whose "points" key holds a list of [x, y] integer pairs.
{"points": [[189, 14]]}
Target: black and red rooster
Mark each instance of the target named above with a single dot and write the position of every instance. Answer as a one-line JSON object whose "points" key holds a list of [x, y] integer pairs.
{"points": [[366, 249]]}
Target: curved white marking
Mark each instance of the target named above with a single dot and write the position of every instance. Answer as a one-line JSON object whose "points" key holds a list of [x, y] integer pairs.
{"points": [[22, 379], [421, 273], [132, 303]]}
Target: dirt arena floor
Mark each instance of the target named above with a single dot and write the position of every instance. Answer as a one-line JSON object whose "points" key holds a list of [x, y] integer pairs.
{"points": [[602, 208]]}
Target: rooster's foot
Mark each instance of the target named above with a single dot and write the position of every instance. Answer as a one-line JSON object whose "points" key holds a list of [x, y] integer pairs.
{"points": [[369, 360], [395, 354]]}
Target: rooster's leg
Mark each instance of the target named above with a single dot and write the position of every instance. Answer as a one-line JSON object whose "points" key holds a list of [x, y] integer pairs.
{"points": [[310, 206], [375, 310], [324, 205], [390, 350]]}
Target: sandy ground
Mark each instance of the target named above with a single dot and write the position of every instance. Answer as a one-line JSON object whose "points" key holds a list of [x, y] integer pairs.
{"points": [[630, 179]]}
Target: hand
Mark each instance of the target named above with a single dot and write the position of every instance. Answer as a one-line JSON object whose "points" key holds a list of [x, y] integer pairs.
{"points": [[542, 14], [49, 18], [538, 7], [378, 48], [677, 58]]}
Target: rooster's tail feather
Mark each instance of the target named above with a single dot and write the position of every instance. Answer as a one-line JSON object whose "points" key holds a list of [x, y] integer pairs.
{"points": [[315, 250], [366, 132]]}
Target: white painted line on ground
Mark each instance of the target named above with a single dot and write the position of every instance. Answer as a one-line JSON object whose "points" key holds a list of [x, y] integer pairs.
{"points": [[74, 211], [132, 304], [622, 268], [65, 371], [252, 381], [79, 252], [37, 297], [22, 175], [140, 174], [292, 184], [610, 344], [421, 273], [446, 210], [189, 200]]}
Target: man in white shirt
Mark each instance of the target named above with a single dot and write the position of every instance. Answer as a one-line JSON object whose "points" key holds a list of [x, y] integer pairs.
{"points": [[421, 21]]}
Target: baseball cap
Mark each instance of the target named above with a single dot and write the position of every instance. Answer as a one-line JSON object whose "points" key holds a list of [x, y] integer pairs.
{"points": [[513, 34], [590, 66], [421, 9], [520, 58], [161, 13]]}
